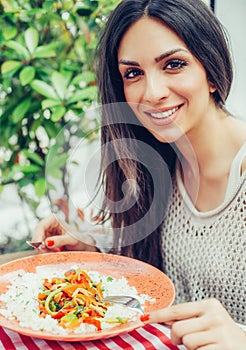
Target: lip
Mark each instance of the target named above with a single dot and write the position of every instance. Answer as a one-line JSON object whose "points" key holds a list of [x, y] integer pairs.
{"points": [[164, 120], [161, 110]]}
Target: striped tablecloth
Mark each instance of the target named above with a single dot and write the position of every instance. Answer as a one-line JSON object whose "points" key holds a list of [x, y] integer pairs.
{"points": [[152, 336]]}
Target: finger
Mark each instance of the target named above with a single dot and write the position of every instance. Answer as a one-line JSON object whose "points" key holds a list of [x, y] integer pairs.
{"points": [[39, 233], [48, 227], [196, 340], [55, 242], [192, 325], [70, 243], [176, 312]]}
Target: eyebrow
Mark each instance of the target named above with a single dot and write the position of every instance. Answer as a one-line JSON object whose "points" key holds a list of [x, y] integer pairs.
{"points": [[157, 59], [169, 53]]}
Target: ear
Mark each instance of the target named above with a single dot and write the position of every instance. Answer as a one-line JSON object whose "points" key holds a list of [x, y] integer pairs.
{"points": [[212, 88]]}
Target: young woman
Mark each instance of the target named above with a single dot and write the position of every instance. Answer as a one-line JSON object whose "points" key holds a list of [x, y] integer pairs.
{"points": [[173, 164]]}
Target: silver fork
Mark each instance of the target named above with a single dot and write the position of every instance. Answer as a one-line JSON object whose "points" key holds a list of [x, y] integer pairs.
{"points": [[125, 300], [35, 245]]}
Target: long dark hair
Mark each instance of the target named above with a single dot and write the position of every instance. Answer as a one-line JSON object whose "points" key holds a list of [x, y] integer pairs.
{"points": [[204, 36]]}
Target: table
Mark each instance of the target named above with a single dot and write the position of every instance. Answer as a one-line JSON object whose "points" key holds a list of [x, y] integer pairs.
{"points": [[149, 337]]}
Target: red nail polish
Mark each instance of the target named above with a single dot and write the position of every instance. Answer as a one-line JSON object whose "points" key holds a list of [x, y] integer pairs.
{"points": [[50, 242], [60, 249], [144, 318]]}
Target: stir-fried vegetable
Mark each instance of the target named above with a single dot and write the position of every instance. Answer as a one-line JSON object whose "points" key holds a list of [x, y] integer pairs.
{"points": [[72, 300]]}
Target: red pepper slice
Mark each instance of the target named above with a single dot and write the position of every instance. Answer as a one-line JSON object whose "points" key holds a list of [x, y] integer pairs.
{"points": [[59, 315], [96, 323], [62, 312], [92, 313]]}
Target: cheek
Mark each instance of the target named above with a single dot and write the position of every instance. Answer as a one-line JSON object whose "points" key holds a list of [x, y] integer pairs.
{"points": [[194, 85], [189, 86], [132, 94]]}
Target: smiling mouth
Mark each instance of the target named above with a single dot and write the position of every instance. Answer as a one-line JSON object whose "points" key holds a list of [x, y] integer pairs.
{"points": [[163, 115]]}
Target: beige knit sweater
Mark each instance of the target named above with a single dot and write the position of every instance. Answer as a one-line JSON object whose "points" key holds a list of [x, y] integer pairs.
{"points": [[205, 252]]}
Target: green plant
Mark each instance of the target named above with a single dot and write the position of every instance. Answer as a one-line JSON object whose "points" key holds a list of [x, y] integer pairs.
{"points": [[47, 81]]}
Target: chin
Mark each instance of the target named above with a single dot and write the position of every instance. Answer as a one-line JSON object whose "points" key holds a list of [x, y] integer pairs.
{"points": [[168, 137]]}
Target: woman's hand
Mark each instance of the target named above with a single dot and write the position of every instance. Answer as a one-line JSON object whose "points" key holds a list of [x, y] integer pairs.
{"points": [[203, 325], [57, 236]]}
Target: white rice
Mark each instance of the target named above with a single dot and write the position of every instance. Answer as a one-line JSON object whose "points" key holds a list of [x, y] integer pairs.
{"points": [[20, 302]]}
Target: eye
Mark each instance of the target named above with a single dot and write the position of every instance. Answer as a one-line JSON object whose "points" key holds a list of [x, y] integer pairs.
{"points": [[132, 73], [175, 64]]}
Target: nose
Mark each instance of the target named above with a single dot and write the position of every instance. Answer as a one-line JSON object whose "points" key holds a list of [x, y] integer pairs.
{"points": [[156, 88]]}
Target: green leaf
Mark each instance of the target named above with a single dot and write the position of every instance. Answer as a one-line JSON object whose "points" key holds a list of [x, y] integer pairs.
{"points": [[48, 4], [31, 39], [44, 89], [10, 6], [60, 82], [25, 181], [1, 188], [54, 172], [50, 103], [33, 156], [57, 113], [19, 49], [20, 111], [87, 77], [24, 169], [40, 187], [55, 160], [35, 124], [10, 67], [51, 129], [35, 11], [88, 93], [27, 74], [10, 174], [44, 51], [69, 4], [29, 169], [9, 32]]}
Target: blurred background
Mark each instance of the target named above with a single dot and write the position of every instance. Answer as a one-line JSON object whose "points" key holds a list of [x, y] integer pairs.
{"points": [[49, 118]]}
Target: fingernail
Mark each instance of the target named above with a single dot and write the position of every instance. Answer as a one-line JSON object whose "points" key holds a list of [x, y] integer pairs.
{"points": [[50, 242], [144, 318]]}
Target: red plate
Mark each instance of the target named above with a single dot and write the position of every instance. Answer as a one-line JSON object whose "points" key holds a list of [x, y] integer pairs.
{"points": [[146, 278]]}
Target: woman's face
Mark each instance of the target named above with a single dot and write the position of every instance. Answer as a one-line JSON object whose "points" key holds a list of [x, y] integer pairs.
{"points": [[165, 85]]}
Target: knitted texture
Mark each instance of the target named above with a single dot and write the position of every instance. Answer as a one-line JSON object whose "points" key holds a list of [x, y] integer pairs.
{"points": [[205, 255]]}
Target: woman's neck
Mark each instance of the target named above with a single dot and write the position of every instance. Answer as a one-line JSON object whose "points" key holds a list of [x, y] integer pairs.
{"points": [[213, 144], [207, 154]]}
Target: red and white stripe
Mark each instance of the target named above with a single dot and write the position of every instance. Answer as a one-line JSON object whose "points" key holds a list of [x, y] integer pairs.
{"points": [[149, 337]]}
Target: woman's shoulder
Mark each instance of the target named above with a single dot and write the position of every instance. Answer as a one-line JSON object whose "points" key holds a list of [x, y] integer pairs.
{"points": [[239, 132], [244, 165], [241, 156]]}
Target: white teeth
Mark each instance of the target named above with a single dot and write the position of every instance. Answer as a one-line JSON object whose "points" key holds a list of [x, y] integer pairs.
{"points": [[164, 114]]}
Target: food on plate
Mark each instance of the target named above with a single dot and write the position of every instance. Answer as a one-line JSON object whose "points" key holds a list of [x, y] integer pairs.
{"points": [[65, 302], [74, 299]]}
